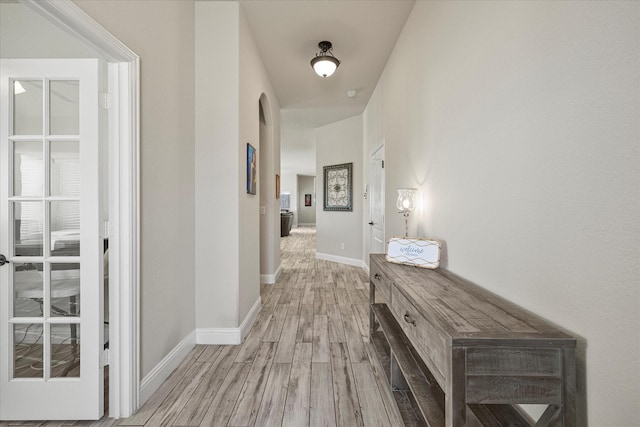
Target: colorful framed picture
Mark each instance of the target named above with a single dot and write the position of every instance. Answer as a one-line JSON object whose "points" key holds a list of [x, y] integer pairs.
{"points": [[338, 187], [252, 169], [307, 199]]}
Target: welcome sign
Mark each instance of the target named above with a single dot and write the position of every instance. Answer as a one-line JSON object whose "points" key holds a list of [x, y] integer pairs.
{"points": [[418, 252]]}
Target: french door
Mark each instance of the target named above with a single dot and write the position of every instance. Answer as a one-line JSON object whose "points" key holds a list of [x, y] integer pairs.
{"points": [[51, 268]]}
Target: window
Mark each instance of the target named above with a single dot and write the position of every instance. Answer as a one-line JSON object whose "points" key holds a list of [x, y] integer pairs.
{"points": [[285, 201]]}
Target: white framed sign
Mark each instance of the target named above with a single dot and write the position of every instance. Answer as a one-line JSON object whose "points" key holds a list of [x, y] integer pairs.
{"points": [[423, 253]]}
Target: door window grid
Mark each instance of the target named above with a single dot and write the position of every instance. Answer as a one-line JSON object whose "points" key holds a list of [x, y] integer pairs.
{"points": [[52, 210]]}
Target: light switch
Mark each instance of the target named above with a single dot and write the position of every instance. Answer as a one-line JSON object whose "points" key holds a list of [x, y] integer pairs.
{"points": [[263, 210]]}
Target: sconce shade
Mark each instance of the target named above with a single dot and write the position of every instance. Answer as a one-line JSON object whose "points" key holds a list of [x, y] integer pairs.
{"points": [[324, 63], [406, 199]]}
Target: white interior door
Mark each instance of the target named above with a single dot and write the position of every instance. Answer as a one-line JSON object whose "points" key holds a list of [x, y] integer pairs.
{"points": [[51, 316], [378, 245]]}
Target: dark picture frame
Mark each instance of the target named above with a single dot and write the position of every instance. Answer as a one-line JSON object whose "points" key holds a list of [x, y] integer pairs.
{"points": [[338, 187], [307, 199], [252, 169]]}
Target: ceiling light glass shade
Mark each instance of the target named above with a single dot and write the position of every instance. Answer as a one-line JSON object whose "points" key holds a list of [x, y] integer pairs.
{"points": [[324, 63], [324, 66], [406, 199]]}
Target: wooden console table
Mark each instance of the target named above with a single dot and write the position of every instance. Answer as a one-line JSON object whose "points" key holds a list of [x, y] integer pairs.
{"points": [[466, 356]]}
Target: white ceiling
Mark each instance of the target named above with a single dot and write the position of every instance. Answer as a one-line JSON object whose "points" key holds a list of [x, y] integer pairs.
{"points": [[287, 33]]}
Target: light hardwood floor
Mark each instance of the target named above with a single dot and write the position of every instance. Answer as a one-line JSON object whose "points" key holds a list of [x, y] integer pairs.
{"points": [[307, 360]]}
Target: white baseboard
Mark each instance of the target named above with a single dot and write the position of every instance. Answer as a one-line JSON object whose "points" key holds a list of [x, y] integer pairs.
{"points": [[310, 224], [341, 260], [247, 323], [229, 336], [154, 379], [218, 336], [270, 279], [365, 267]]}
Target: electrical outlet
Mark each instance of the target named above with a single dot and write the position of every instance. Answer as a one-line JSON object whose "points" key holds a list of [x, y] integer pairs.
{"points": [[342, 246]]}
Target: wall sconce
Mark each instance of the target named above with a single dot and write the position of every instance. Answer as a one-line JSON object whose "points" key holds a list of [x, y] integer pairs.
{"points": [[406, 203]]}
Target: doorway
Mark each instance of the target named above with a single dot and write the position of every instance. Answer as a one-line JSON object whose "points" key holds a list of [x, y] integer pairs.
{"points": [[376, 206], [306, 203], [122, 229], [51, 319]]}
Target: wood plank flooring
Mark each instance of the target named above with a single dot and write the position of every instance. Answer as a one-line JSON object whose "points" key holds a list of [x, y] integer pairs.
{"points": [[307, 360]]}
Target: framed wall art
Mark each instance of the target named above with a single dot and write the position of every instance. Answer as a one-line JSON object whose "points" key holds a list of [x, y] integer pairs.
{"points": [[307, 199], [252, 169], [338, 187]]}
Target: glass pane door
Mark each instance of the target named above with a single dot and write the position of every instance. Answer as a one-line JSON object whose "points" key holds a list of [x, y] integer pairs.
{"points": [[49, 232], [46, 222]]}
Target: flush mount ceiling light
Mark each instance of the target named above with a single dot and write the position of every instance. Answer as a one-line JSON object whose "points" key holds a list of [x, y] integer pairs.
{"points": [[324, 63]]}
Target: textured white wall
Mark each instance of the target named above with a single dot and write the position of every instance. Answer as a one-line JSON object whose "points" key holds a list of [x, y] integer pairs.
{"points": [[163, 37], [519, 123], [337, 143]]}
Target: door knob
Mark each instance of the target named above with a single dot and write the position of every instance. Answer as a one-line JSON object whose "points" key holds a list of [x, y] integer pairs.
{"points": [[370, 222], [3, 260]]}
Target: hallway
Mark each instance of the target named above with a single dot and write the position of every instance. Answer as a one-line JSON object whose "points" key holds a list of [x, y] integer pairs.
{"points": [[306, 361]]}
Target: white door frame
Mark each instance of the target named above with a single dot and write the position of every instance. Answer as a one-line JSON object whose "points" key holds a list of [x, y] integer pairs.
{"points": [[124, 191], [380, 147]]}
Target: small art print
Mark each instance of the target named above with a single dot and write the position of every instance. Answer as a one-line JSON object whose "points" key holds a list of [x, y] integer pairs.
{"points": [[252, 167], [307, 199], [338, 187]]}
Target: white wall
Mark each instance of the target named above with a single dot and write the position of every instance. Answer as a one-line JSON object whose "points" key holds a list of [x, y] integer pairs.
{"points": [[519, 123], [306, 214], [216, 163], [163, 37], [255, 83], [25, 34], [298, 146], [227, 118], [337, 143]]}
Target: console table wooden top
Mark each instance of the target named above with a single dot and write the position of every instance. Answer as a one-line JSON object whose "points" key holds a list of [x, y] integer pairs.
{"points": [[465, 311]]}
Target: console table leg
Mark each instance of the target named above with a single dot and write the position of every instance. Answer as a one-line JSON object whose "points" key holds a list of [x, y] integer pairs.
{"points": [[569, 383], [372, 318], [455, 401]]}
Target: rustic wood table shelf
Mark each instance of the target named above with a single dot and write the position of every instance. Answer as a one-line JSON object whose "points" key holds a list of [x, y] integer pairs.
{"points": [[466, 356]]}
